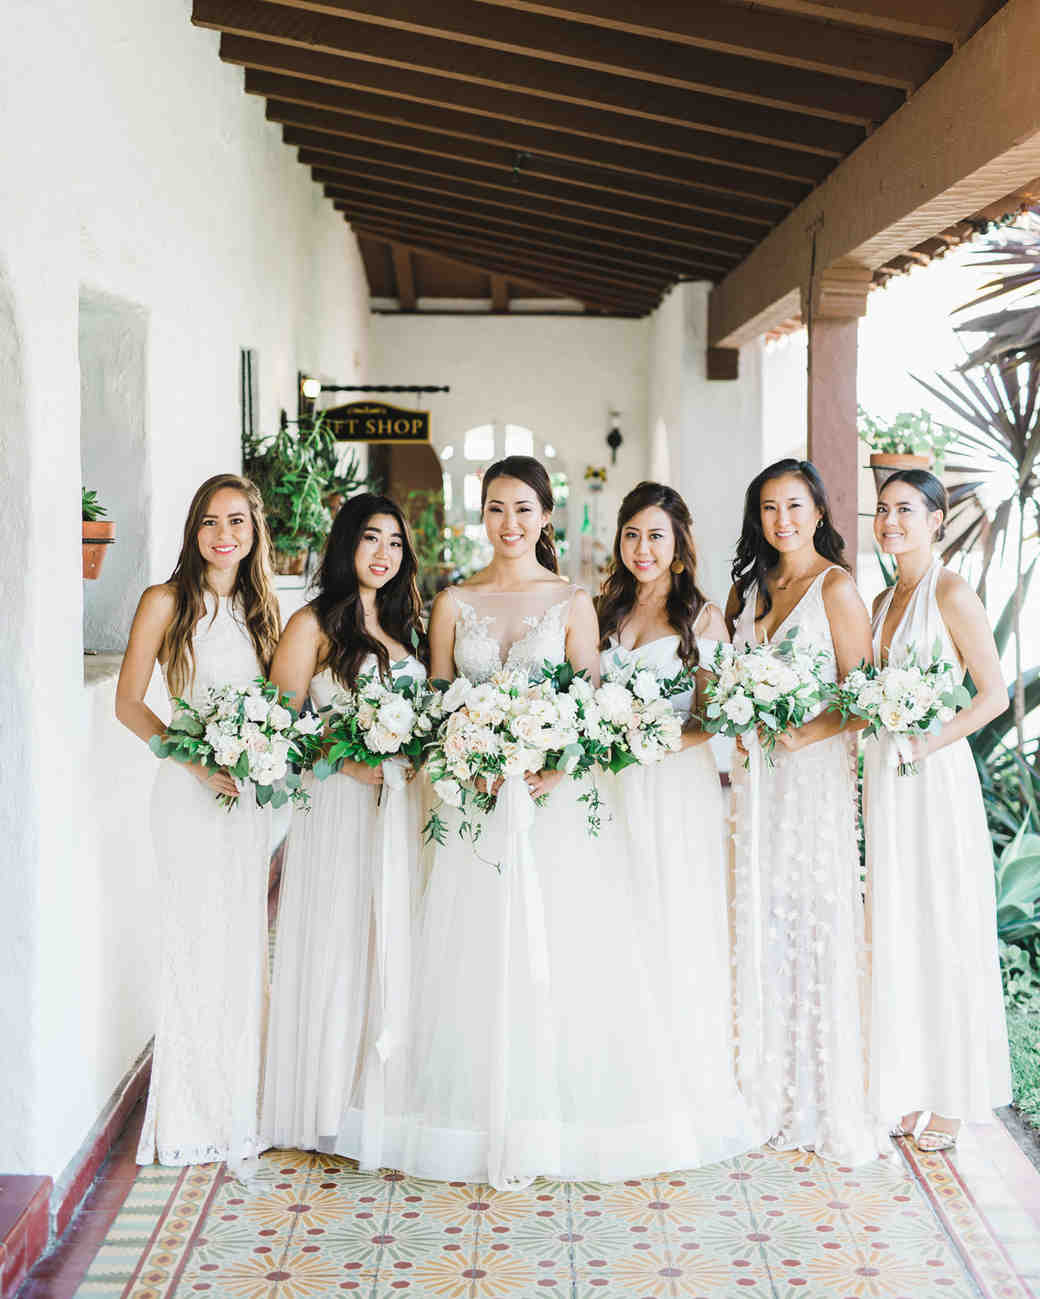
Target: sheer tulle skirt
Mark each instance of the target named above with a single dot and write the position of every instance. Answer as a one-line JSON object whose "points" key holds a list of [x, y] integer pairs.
{"points": [[204, 1095], [799, 951], [938, 1035], [519, 1068]]}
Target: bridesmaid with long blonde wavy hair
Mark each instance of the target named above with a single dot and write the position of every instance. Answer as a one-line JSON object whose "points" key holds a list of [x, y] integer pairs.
{"points": [[214, 622]]}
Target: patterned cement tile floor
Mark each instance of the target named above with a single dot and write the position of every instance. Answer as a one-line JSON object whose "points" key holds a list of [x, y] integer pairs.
{"points": [[786, 1226]]}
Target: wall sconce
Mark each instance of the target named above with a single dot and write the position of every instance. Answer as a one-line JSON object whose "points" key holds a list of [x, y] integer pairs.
{"points": [[308, 391], [614, 438]]}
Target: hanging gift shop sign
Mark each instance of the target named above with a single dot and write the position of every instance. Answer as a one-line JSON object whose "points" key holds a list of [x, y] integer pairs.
{"points": [[376, 421]]}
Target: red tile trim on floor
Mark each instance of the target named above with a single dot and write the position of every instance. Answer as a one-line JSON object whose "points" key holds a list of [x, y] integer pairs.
{"points": [[24, 1227], [77, 1179]]}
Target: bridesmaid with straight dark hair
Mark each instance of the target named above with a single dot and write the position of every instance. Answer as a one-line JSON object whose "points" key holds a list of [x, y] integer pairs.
{"points": [[938, 1048], [798, 911]]}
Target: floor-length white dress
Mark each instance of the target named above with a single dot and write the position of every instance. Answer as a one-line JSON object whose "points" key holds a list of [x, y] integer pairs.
{"points": [[799, 953], [538, 1046], [340, 994], [676, 827], [204, 1096], [938, 1039]]}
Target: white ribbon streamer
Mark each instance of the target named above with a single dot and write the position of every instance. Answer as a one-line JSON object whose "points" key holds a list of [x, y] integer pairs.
{"points": [[752, 962], [390, 908], [520, 887]]}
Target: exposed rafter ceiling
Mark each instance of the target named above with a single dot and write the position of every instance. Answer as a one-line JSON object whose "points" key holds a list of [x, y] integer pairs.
{"points": [[592, 150]]}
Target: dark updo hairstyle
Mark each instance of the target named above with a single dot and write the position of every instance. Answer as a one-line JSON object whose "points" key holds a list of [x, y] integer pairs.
{"points": [[337, 605], [685, 601], [931, 489], [755, 556], [532, 472]]}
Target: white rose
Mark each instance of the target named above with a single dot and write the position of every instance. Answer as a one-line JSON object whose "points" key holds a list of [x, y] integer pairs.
{"points": [[483, 740], [456, 694], [646, 686], [615, 703], [728, 678], [527, 728], [448, 791], [581, 690], [227, 753], [567, 709], [856, 680], [256, 708], [892, 716], [644, 747], [253, 738], [738, 709], [279, 717], [382, 740], [309, 725], [455, 746], [519, 759], [946, 714], [397, 714], [871, 697], [765, 693], [214, 735]]}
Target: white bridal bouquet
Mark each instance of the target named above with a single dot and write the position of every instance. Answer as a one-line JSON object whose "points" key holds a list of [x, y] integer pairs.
{"points": [[251, 732], [502, 728], [766, 688], [633, 720], [902, 700], [378, 720]]}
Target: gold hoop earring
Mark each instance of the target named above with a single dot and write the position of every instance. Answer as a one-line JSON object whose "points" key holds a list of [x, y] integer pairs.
{"points": [[678, 567]]}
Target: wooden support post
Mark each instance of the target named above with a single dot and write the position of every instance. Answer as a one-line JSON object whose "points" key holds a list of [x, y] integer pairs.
{"points": [[405, 277], [838, 299], [723, 362]]}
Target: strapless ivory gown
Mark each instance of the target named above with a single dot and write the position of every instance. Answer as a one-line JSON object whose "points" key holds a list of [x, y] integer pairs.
{"points": [[341, 990]]}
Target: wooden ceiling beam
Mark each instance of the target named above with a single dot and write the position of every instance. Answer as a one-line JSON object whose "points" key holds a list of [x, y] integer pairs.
{"points": [[499, 294], [505, 166], [536, 264], [504, 186], [791, 39], [536, 126], [596, 293], [949, 21], [637, 280], [466, 197], [404, 276], [291, 79], [653, 256], [505, 34], [463, 74]]}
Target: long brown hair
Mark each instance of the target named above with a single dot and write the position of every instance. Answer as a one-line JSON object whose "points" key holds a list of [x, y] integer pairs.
{"points": [[755, 556], [253, 595], [532, 472], [337, 605], [685, 599]]}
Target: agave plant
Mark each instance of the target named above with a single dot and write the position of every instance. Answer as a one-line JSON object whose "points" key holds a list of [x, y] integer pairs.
{"points": [[1012, 334], [998, 406], [1017, 873]]}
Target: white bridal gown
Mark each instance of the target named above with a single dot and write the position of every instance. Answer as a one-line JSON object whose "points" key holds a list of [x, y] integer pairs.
{"points": [[204, 1096], [339, 999], [938, 1037], [676, 827], [537, 1044], [799, 955]]}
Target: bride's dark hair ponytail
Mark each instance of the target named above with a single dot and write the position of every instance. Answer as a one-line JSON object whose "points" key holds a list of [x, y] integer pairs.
{"points": [[532, 472]]}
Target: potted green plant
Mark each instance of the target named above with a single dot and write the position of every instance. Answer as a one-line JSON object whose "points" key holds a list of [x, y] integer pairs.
{"points": [[912, 440], [444, 551], [298, 474], [98, 535]]}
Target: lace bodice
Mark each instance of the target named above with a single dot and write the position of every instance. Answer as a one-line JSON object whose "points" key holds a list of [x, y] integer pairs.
{"points": [[224, 651], [921, 624], [496, 629], [810, 617], [324, 685], [661, 656]]}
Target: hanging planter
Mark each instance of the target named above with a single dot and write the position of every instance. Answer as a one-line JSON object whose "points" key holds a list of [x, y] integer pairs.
{"points": [[885, 463], [98, 535]]}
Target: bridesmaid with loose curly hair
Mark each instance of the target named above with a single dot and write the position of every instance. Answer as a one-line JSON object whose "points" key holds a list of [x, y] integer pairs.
{"points": [[213, 623]]}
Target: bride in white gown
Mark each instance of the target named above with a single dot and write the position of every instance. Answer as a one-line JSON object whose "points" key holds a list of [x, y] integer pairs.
{"points": [[652, 615], [537, 1046]]}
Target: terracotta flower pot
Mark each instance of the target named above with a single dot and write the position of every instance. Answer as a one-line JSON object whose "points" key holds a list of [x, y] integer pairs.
{"points": [[290, 563], [97, 537], [885, 463]]}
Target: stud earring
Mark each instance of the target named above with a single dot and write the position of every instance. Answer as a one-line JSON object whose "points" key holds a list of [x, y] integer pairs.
{"points": [[678, 567]]}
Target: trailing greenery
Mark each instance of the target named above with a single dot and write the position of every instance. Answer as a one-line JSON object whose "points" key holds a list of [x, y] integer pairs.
{"points": [[910, 433], [297, 471], [92, 508]]}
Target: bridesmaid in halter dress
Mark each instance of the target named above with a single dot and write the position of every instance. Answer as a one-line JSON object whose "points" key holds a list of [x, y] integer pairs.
{"points": [[938, 1049], [342, 951], [797, 905], [214, 623]]}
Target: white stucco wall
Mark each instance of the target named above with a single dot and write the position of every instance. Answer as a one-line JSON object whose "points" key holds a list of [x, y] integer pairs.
{"points": [[558, 376], [135, 167]]}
